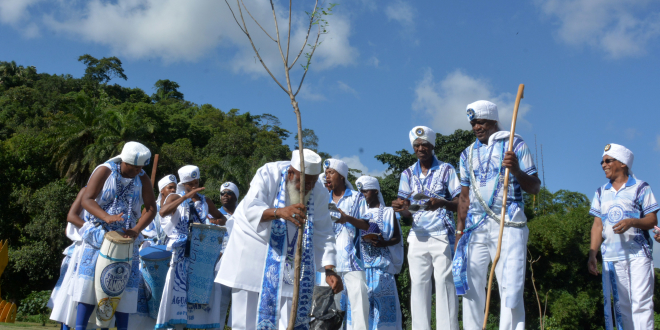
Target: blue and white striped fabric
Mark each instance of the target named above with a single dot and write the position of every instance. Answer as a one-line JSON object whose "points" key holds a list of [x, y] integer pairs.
{"points": [[440, 182], [488, 170], [346, 235], [633, 200], [610, 288]]}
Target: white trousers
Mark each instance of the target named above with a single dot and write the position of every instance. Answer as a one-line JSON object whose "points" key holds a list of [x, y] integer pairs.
{"points": [[634, 281], [355, 284], [481, 250], [432, 256], [244, 305]]}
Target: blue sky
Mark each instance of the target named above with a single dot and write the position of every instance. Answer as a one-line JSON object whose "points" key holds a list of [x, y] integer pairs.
{"points": [[590, 69]]}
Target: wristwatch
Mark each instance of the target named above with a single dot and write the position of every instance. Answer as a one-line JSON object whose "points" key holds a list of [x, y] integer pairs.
{"points": [[460, 232]]}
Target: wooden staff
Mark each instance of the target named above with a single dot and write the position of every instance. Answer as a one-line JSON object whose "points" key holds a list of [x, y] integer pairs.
{"points": [[153, 171], [505, 192]]}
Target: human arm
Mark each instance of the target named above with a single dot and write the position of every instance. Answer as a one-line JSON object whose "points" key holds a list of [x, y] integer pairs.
{"points": [[286, 213], [333, 280], [396, 235], [401, 205], [530, 183], [74, 212], [436, 203], [218, 217], [357, 223], [171, 204], [149, 212], [94, 187], [596, 241], [646, 223], [462, 210]]}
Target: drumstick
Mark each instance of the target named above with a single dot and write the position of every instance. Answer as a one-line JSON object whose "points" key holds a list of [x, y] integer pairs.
{"points": [[505, 192], [153, 171]]}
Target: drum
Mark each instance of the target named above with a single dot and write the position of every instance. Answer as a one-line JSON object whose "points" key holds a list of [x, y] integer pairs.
{"points": [[371, 234], [155, 264], [113, 269], [205, 247]]}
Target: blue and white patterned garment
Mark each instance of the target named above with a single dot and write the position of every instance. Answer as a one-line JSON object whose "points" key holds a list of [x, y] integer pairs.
{"points": [[119, 195], [440, 182], [633, 200], [228, 225], [154, 233], [346, 235], [489, 172], [175, 312], [384, 306]]}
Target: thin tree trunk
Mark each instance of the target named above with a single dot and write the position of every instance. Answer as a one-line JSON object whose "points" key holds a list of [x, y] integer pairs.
{"points": [[299, 241]]}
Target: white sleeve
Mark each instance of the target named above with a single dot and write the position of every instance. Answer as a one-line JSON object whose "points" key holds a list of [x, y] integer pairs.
{"points": [[169, 222], [324, 235], [259, 198]]}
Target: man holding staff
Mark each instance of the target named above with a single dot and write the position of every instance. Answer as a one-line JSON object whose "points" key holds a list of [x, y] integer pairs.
{"points": [[259, 260], [482, 168], [624, 211]]}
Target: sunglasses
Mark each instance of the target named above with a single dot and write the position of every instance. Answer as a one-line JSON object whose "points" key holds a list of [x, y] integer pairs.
{"points": [[607, 161], [226, 192]]}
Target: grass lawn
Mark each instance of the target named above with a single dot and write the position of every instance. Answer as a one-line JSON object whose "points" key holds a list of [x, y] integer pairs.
{"points": [[29, 326]]}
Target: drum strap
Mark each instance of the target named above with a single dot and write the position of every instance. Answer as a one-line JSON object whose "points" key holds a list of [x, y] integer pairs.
{"points": [[194, 218]]}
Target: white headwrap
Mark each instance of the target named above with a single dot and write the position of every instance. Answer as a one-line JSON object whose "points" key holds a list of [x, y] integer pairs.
{"points": [[482, 110], [366, 182], [312, 162], [187, 174], [621, 154], [163, 183], [133, 153], [230, 186], [422, 132], [340, 167]]}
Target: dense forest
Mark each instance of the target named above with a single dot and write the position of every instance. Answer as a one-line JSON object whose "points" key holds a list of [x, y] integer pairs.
{"points": [[55, 129]]}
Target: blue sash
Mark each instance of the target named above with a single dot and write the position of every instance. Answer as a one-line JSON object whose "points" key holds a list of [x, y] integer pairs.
{"points": [[276, 256]]}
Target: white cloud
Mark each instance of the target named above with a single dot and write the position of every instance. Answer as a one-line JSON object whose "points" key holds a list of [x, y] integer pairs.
{"points": [[445, 101], [16, 13], [354, 162], [619, 28], [309, 93], [348, 89], [401, 12], [374, 61], [177, 30], [632, 133]]}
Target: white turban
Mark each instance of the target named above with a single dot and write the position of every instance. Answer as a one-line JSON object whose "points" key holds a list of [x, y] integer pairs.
{"points": [[621, 154], [482, 110], [366, 182], [230, 186], [163, 183], [312, 162], [422, 132], [187, 174], [133, 153], [340, 167]]}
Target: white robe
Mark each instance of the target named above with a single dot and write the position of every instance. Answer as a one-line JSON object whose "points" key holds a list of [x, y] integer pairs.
{"points": [[61, 303], [245, 256]]}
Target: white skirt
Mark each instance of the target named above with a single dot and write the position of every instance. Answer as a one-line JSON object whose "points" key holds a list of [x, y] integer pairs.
{"points": [[60, 301], [175, 312]]}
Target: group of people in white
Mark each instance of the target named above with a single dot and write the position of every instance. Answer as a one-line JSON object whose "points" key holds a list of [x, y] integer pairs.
{"points": [[352, 242]]}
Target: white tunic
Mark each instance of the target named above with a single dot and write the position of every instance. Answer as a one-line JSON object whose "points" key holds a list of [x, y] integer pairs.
{"points": [[244, 259]]}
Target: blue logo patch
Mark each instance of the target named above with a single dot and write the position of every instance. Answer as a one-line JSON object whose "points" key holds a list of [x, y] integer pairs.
{"points": [[114, 278], [226, 184], [419, 131], [326, 163], [471, 114], [615, 214], [194, 175], [172, 178], [359, 185]]}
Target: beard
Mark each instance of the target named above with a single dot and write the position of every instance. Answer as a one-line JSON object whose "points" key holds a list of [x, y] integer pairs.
{"points": [[294, 194]]}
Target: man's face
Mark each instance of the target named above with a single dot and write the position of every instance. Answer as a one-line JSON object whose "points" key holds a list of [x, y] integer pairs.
{"points": [[169, 189], [189, 186], [227, 197], [130, 171], [612, 167], [310, 180], [333, 179], [483, 128], [370, 195], [423, 149]]}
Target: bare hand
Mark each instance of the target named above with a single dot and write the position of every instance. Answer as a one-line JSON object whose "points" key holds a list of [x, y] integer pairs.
{"points": [[592, 265], [213, 220], [334, 281], [193, 194], [435, 203], [656, 236], [343, 219], [400, 205], [297, 210], [380, 242], [511, 162], [622, 226], [114, 218], [130, 233]]}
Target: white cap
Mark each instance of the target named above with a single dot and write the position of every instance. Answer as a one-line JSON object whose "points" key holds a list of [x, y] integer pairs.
{"points": [[482, 110], [230, 186], [312, 162], [165, 181], [340, 167], [366, 182], [422, 132], [133, 153], [621, 154], [187, 174]]}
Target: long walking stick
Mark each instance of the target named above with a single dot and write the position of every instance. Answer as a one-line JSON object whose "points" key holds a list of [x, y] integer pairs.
{"points": [[153, 171], [505, 192]]}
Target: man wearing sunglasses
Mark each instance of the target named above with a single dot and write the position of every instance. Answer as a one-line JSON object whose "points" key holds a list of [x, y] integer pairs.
{"points": [[624, 211]]}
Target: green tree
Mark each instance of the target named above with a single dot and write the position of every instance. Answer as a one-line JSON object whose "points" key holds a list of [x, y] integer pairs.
{"points": [[103, 70], [166, 90]]}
